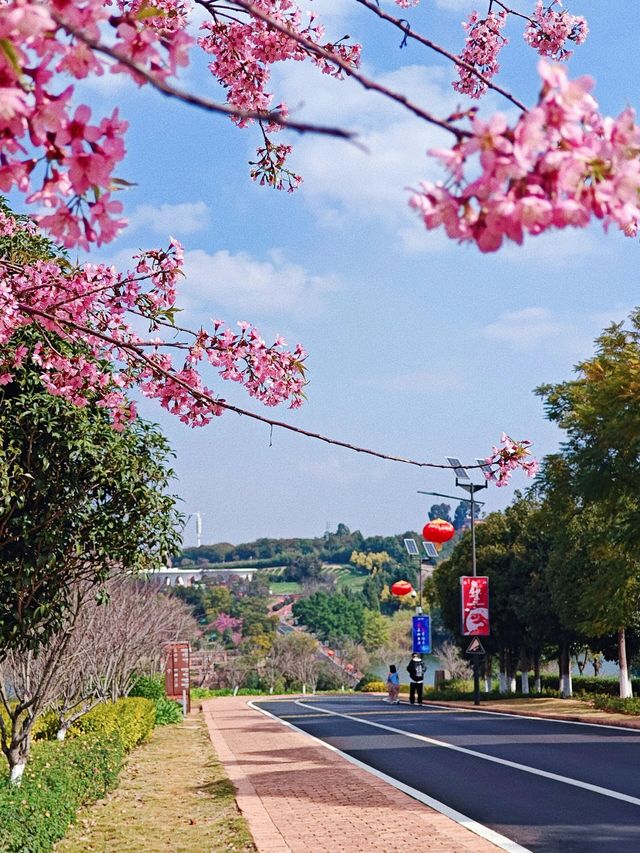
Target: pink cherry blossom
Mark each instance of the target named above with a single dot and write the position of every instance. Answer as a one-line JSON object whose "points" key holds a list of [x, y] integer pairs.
{"points": [[482, 45], [561, 164], [550, 29]]}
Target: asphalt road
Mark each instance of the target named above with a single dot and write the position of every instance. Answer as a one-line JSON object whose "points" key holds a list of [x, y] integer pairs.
{"points": [[576, 788]]}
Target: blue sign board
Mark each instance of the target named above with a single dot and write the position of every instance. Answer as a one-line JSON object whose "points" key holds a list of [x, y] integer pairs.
{"points": [[422, 635]]}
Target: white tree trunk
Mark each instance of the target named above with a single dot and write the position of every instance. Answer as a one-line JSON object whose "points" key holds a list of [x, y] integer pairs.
{"points": [[304, 688], [566, 685], [487, 684], [537, 684], [502, 682], [61, 734], [625, 682], [512, 684], [525, 682], [17, 772]]}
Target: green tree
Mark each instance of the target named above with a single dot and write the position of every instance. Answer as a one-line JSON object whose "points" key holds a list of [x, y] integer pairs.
{"points": [[601, 453], [78, 499], [331, 615], [440, 511], [375, 631]]}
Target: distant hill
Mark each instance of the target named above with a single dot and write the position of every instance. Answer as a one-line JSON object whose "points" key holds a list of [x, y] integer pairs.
{"points": [[330, 548]]}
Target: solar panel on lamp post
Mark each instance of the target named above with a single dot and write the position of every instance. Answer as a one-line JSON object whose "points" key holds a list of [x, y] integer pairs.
{"points": [[463, 481], [412, 550]]}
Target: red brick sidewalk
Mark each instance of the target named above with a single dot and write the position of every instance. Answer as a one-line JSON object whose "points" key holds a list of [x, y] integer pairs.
{"points": [[298, 796]]}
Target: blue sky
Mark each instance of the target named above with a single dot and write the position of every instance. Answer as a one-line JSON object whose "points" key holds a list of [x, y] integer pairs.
{"points": [[417, 346]]}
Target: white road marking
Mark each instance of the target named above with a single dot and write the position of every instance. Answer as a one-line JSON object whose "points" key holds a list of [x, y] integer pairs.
{"points": [[576, 783], [500, 841]]}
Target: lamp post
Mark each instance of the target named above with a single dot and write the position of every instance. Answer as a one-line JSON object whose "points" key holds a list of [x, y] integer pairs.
{"points": [[463, 481]]}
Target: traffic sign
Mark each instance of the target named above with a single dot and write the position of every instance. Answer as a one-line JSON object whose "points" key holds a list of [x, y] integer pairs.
{"points": [[475, 647]]}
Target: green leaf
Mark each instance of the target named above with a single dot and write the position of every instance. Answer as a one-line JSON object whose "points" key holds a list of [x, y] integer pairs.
{"points": [[12, 55]]}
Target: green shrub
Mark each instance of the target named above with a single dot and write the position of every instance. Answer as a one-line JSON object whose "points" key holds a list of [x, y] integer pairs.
{"points": [[615, 703], [608, 684], [373, 687], [168, 712], [60, 777], [149, 687], [381, 687], [131, 719]]}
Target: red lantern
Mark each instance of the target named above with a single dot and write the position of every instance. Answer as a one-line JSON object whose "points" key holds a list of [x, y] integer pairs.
{"points": [[330, 652], [438, 531], [401, 588]]}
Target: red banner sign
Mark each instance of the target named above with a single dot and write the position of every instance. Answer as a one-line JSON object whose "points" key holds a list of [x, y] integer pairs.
{"points": [[475, 606]]}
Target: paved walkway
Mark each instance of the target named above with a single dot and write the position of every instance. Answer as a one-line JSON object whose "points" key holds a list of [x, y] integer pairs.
{"points": [[300, 797]]}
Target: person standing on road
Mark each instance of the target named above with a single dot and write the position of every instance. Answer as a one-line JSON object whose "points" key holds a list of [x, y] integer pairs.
{"points": [[416, 674], [393, 685]]}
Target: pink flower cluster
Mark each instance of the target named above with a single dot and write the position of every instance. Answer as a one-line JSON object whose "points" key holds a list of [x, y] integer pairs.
{"points": [[482, 45], [50, 151], [506, 459], [243, 52], [224, 622], [549, 30], [561, 164], [99, 306]]}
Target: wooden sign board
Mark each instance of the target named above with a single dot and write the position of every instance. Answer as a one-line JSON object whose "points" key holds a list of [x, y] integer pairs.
{"points": [[177, 673]]}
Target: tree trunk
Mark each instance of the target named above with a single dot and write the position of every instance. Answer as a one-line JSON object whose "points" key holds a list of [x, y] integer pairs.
{"points": [[524, 672], [488, 679], [537, 686], [17, 758], [512, 670], [625, 682], [566, 687], [502, 676]]}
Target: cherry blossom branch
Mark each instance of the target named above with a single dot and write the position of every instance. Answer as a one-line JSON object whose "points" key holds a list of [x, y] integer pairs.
{"points": [[404, 27], [135, 351], [316, 50], [509, 11], [273, 116]]}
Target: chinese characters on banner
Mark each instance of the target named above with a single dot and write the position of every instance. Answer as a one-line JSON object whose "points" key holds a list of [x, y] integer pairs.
{"points": [[422, 635], [475, 606]]}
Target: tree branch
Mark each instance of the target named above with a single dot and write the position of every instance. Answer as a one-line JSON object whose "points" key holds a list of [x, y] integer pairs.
{"points": [[404, 27], [165, 88], [365, 82]]}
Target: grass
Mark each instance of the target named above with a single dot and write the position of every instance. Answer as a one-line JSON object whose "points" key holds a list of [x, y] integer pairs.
{"points": [[173, 796], [284, 587]]}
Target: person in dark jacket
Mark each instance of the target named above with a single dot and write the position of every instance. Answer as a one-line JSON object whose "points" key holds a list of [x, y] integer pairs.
{"points": [[416, 674]]}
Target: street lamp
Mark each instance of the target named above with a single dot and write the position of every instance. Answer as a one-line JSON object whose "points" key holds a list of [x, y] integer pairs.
{"points": [[463, 481]]}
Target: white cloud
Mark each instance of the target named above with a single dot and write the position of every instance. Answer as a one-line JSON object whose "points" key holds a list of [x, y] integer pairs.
{"points": [[171, 219], [345, 184], [242, 283], [526, 328]]}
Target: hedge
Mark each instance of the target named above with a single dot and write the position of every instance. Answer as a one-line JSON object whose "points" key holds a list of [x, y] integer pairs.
{"points": [[132, 719], [62, 776], [615, 703], [608, 685]]}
